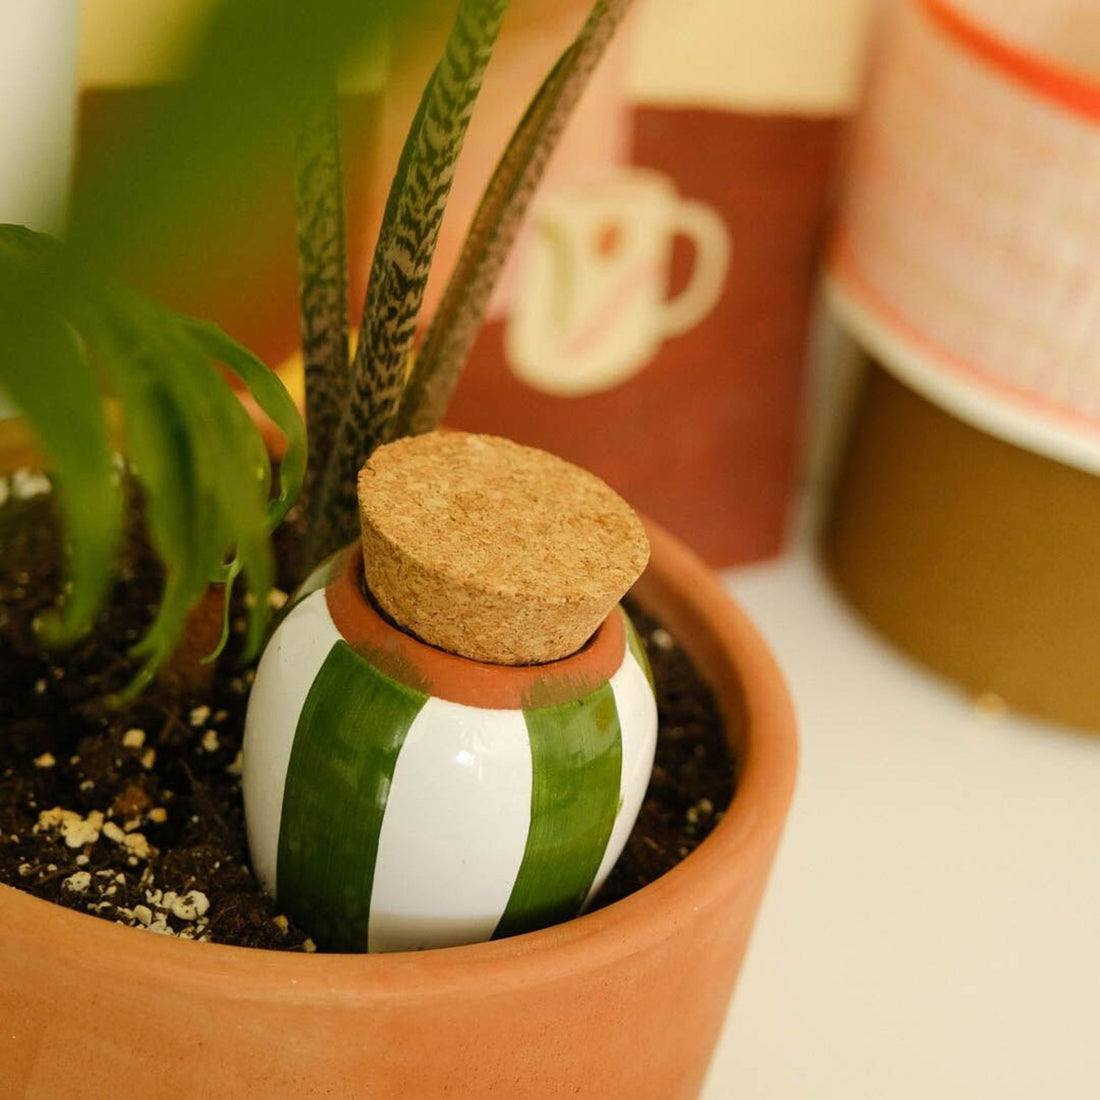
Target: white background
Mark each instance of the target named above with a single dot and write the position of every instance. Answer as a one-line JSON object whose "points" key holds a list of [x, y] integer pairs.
{"points": [[932, 926]]}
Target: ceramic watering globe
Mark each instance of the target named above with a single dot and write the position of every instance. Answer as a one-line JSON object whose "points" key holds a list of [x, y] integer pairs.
{"points": [[451, 732]]}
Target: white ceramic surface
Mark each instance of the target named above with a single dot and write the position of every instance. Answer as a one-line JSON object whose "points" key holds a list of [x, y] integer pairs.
{"points": [[458, 808], [997, 414], [290, 664], [455, 827], [930, 929], [967, 239]]}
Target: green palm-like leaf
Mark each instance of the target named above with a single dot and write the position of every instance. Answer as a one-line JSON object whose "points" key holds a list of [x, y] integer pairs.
{"points": [[273, 399], [194, 449], [454, 328], [65, 404]]}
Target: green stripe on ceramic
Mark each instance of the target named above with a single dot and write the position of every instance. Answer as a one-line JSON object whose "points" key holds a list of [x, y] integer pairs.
{"points": [[351, 729], [637, 649], [576, 764]]}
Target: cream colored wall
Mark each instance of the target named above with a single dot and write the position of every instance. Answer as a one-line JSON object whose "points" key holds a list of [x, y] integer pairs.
{"points": [[37, 51], [767, 55], [803, 56], [127, 42], [123, 42]]}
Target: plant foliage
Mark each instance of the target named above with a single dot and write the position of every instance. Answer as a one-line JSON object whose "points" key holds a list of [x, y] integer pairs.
{"points": [[322, 273], [402, 260], [197, 160], [70, 341], [75, 345], [384, 398], [446, 346]]}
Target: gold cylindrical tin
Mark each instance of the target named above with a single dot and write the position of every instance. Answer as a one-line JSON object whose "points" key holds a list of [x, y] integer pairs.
{"points": [[979, 558]]}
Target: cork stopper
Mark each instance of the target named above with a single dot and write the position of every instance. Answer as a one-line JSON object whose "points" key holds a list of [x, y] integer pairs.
{"points": [[494, 551]]}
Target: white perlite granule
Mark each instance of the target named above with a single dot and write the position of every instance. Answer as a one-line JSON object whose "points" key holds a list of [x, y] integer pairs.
{"points": [[189, 907], [78, 882], [27, 483], [76, 830]]}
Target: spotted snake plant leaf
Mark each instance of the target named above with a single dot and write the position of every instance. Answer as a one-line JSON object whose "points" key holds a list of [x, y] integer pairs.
{"points": [[322, 273], [447, 344], [402, 260]]}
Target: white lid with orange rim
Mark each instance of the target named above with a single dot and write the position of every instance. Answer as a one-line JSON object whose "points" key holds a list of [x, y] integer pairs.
{"points": [[966, 255]]}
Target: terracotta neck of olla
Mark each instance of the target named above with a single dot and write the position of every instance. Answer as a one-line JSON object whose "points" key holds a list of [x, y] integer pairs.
{"points": [[409, 660], [493, 551]]}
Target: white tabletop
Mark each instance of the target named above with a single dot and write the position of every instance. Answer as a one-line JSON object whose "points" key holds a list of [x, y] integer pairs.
{"points": [[932, 927]]}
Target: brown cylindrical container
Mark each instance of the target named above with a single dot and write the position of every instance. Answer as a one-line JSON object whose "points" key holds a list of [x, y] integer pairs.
{"points": [[977, 557], [626, 1001]]}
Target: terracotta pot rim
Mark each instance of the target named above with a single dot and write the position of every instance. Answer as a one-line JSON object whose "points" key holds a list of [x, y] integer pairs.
{"points": [[728, 648]]}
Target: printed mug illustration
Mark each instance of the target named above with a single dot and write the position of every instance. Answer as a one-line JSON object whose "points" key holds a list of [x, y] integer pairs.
{"points": [[590, 309]]}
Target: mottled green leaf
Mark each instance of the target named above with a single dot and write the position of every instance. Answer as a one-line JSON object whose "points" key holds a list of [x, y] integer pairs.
{"points": [[454, 328], [402, 261]]}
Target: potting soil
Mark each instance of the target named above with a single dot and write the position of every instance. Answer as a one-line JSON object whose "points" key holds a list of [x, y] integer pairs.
{"points": [[135, 816]]}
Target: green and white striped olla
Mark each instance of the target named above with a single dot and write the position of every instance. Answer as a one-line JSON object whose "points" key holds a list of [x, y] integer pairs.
{"points": [[399, 797]]}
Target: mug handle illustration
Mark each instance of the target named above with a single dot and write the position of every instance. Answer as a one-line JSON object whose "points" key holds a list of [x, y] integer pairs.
{"points": [[707, 231]]}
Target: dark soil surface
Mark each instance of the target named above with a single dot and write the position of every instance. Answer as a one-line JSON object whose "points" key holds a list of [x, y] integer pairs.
{"points": [[691, 785], [135, 815]]}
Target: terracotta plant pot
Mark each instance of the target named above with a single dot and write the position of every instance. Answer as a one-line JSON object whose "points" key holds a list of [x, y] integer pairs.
{"points": [[626, 1001]]}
